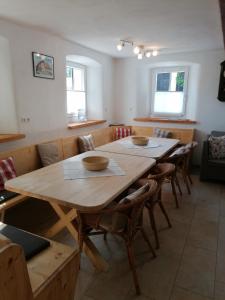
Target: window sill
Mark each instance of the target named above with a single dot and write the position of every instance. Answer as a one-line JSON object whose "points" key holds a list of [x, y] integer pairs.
{"points": [[160, 120], [85, 124], [4, 138]]}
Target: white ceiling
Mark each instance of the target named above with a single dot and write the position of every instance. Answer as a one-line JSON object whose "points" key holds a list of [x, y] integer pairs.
{"points": [[170, 25]]}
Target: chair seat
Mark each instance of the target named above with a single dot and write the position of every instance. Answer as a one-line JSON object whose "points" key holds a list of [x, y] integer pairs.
{"points": [[6, 195]]}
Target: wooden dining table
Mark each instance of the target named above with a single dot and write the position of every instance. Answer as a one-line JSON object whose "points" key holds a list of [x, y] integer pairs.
{"points": [[87, 194], [156, 148]]}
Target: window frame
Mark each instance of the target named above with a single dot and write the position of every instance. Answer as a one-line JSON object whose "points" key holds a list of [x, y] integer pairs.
{"points": [[84, 68], [154, 73]]}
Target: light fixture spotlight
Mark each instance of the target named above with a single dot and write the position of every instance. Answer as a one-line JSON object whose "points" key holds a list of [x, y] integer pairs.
{"points": [[120, 46], [148, 54], [155, 52], [140, 56], [136, 50], [139, 50]]}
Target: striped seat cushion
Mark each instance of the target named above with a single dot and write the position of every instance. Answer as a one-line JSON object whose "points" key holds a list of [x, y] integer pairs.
{"points": [[121, 132], [86, 143], [7, 171]]}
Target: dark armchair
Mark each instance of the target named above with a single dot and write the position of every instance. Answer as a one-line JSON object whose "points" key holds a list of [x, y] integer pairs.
{"points": [[212, 169]]}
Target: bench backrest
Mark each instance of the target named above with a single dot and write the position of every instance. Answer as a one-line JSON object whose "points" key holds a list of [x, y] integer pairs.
{"points": [[185, 135], [27, 159]]}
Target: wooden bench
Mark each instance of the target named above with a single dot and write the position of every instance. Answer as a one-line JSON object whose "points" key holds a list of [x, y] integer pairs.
{"points": [[27, 159], [50, 275]]}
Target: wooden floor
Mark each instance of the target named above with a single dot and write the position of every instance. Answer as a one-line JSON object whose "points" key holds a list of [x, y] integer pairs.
{"points": [[191, 261]]}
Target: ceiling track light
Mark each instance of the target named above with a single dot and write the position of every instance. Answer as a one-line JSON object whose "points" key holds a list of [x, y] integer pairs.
{"points": [[140, 51]]}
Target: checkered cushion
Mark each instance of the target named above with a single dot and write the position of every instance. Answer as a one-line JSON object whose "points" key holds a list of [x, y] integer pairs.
{"points": [[7, 171], [86, 143], [162, 133], [121, 132]]}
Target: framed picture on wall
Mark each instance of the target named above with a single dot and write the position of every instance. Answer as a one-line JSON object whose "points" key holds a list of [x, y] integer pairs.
{"points": [[43, 65]]}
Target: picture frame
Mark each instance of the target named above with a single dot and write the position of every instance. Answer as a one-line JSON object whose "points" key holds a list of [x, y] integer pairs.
{"points": [[43, 65]]}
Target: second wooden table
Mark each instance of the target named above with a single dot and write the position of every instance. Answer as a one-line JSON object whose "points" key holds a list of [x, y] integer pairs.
{"points": [[160, 146]]}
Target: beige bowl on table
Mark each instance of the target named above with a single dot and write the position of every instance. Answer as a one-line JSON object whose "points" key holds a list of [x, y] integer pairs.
{"points": [[140, 140], [95, 163]]}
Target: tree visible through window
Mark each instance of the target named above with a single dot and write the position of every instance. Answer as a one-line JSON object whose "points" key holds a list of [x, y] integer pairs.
{"points": [[76, 91], [169, 91]]}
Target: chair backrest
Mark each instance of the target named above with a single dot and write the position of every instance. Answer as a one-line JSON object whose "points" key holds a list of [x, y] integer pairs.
{"points": [[180, 151], [14, 278], [133, 209], [191, 146], [181, 158], [139, 203]]}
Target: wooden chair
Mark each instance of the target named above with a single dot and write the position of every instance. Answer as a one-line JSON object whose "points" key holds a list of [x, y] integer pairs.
{"points": [[181, 158], [123, 219], [160, 173], [49, 275], [191, 146]]}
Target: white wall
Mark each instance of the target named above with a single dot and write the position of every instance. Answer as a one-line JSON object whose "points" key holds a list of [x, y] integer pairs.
{"points": [[133, 89], [43, 100], [125, 87], [8, 118]]}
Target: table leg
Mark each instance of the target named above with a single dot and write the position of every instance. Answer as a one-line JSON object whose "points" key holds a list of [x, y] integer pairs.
{"points": [[65, 221]]}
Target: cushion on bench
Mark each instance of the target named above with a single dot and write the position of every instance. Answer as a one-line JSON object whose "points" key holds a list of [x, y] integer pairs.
{"points": [[7, 171], [31, 244], [162, 133], [49, 153], [86, 143], [122, 132]]}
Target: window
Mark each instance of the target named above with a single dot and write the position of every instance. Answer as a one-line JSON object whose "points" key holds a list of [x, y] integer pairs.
{"points": [[169, 91], [76, 91]]}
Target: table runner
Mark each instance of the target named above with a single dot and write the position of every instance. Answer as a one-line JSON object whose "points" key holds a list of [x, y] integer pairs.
{"points": [[75, 170], [128, 144]]}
